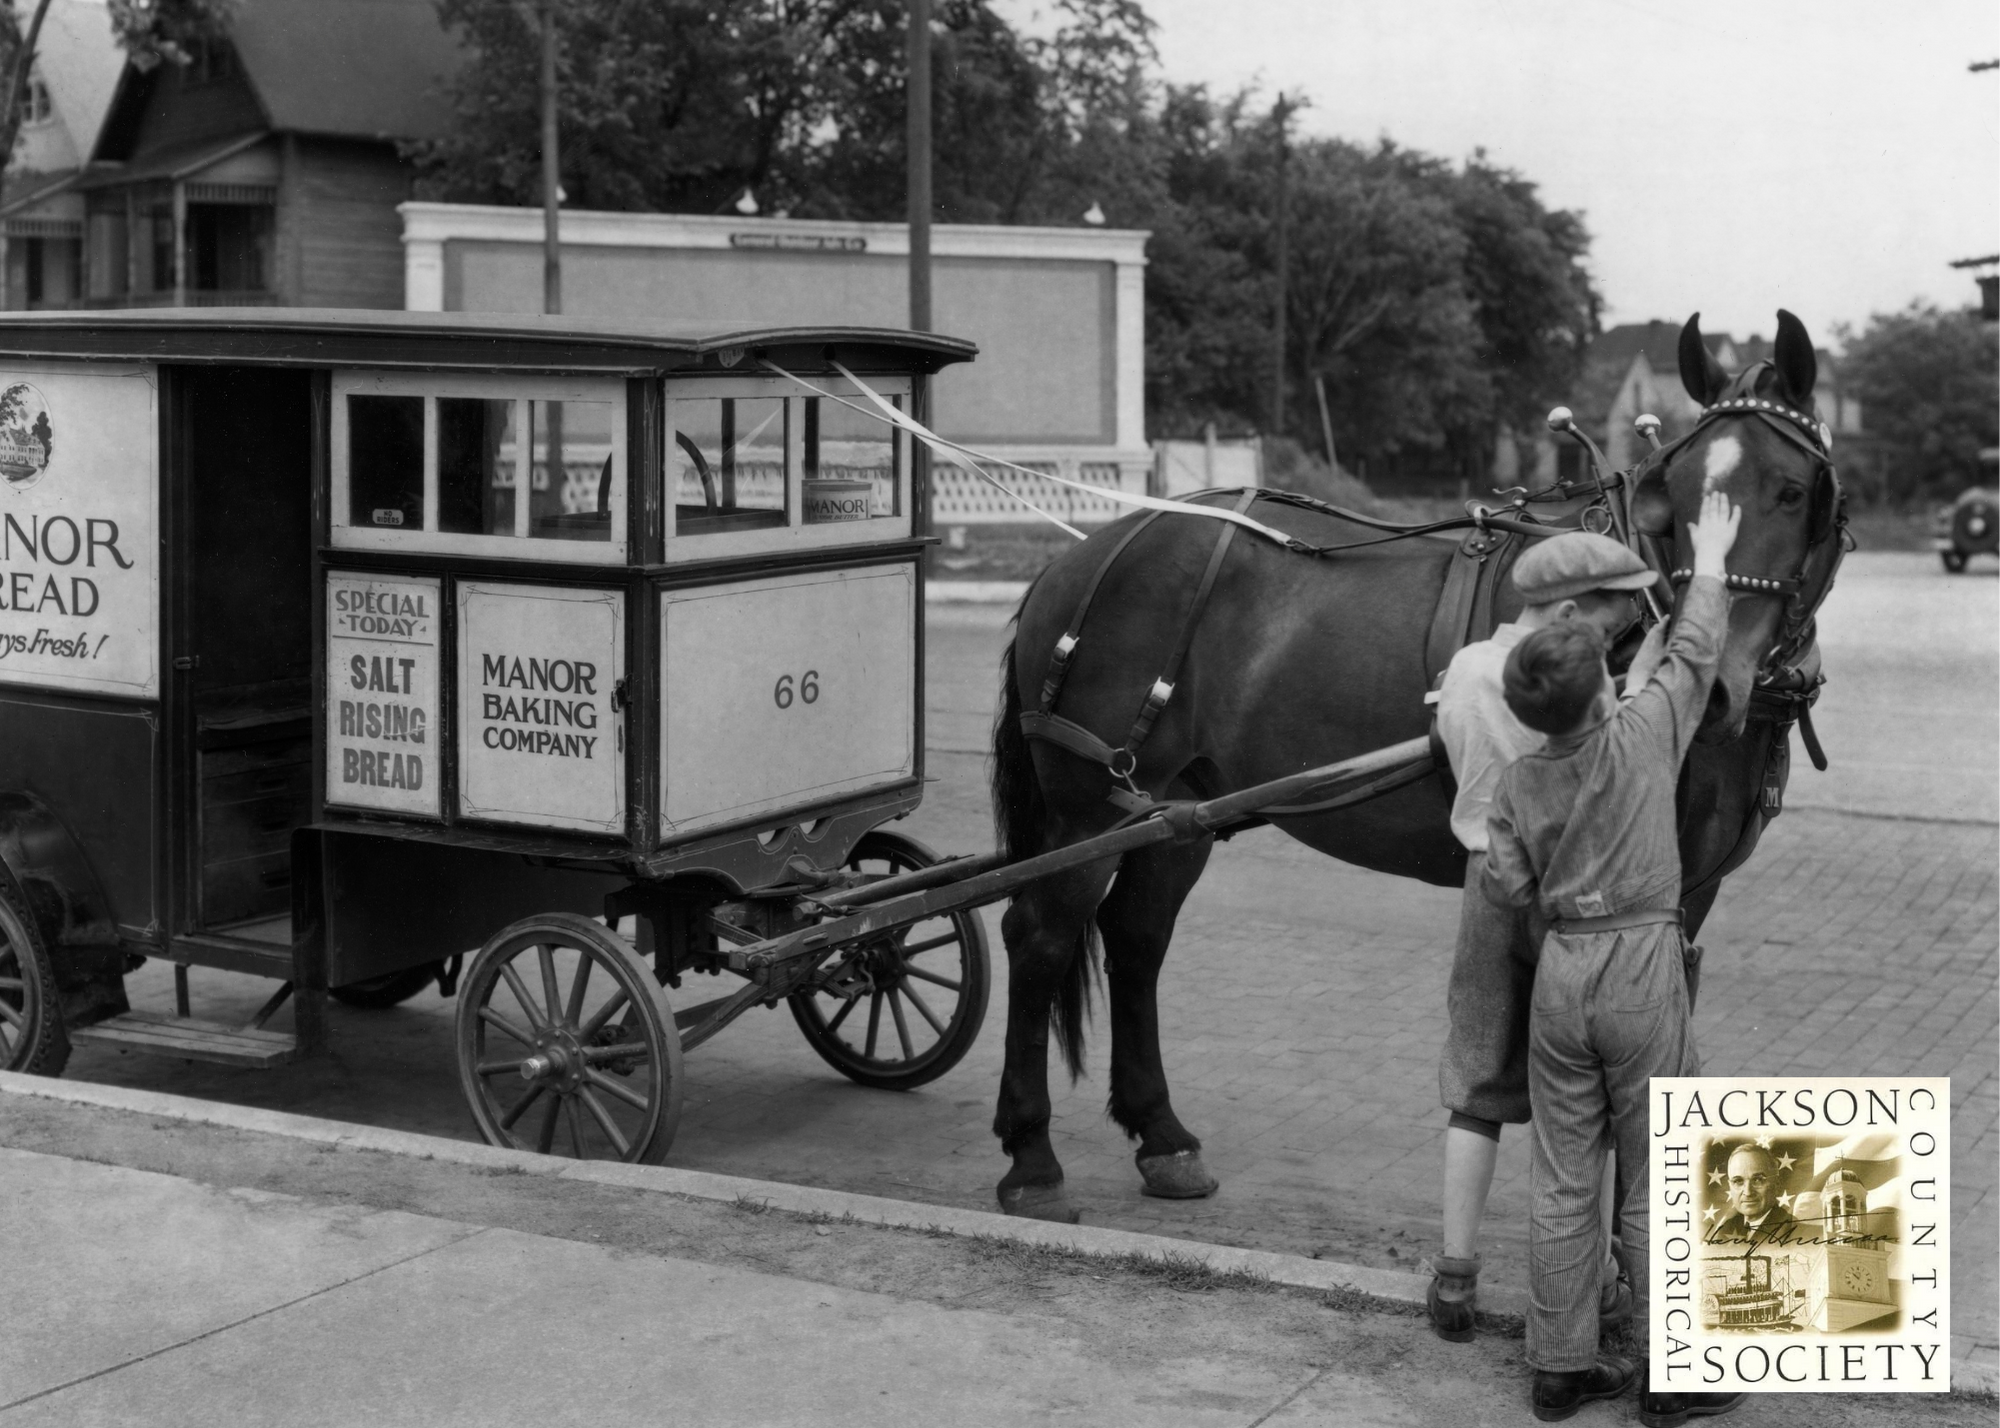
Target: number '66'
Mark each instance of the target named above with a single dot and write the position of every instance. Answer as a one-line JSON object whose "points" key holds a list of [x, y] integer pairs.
{"points": [[808, 689]]}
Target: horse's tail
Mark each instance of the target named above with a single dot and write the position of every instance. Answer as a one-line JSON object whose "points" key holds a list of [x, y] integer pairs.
{"points": [[1020, 828]]}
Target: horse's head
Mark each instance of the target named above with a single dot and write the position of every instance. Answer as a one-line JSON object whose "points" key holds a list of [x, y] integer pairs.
{"points": [[1759, 439]]}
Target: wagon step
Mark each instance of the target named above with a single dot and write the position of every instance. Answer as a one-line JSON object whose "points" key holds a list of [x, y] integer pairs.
{"points": [[192, 1040]]}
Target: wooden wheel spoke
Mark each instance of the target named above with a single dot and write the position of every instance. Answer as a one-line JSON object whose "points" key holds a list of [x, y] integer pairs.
{"points": [[931, 944], [614, 1088], [551, 995], [12, 984], [918, 1002], [874, 1023], [598, 1055], [520, 989], [575, 1118], [497, 1019], [603, 1014], [10, 1014], [583, 965], [534, 1095], [902, 1026], [841, 1015], [604, 1122], [921, 975], [497, 1068], [545, 1139]]}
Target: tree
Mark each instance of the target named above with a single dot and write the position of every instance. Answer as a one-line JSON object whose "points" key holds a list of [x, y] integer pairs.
{"points": [[150, 31], [1925, 379]]}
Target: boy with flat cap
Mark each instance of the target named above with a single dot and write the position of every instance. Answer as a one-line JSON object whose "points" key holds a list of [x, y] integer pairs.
{"points": [[1582, 830], [1593, 581]]}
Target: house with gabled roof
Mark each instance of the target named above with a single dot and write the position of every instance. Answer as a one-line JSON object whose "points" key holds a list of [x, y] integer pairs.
{"points": [[41, 214], [267, 171]]}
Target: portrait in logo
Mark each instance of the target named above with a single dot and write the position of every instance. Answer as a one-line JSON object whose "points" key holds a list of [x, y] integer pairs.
{"points": [[27, 440], [1802, 1234]]}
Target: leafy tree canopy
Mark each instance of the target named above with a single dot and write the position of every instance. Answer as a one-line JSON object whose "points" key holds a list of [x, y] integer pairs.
{"points": [[1435, 301], [1926, 380]]}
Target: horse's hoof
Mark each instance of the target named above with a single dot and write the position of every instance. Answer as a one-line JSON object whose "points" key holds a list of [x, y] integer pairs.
{"points": [[1180, 1176], [1038, 1202]]}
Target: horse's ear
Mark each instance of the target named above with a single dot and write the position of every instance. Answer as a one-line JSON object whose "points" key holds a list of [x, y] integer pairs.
{"points": [[1652, 506], [1701, 374], [1793, 356]]}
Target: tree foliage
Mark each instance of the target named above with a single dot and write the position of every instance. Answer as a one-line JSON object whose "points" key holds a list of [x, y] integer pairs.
{"points": [[1926, 381], [1435, 301]]}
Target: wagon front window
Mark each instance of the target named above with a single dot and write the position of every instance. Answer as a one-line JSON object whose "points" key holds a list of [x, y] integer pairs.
{"points": [[727, 463], [572, 490], [385, 462], [477, 470]]}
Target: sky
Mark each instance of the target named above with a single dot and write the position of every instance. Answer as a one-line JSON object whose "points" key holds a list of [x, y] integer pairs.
{"points": [[1829, 157]]}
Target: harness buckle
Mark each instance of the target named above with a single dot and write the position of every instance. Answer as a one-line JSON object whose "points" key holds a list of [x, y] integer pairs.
{"points": [[1122, 763]]}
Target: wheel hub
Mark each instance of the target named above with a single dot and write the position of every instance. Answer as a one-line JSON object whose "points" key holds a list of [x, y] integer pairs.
{"points": [[557, 1059]]}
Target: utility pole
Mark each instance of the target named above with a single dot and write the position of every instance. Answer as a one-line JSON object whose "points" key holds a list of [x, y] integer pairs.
{"points": [[918, 144], [551, 176], [1281, 116]]}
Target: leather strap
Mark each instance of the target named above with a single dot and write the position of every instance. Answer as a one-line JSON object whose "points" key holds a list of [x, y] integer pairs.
{"points": [[1163, 687], [1066, 646], [1618, 921], [1460, 603]]}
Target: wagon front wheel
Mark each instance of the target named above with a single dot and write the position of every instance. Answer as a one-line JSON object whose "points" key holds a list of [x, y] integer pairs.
{"points": [[1954, 560], [32, 1037], [902, 1008], [566, 1045]]}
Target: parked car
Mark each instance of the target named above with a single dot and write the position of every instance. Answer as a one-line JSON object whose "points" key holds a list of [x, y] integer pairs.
{"points": [[1968, 526]]}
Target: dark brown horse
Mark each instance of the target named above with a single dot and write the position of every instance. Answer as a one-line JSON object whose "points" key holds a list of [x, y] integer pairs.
{"points": [[1297, 662]]}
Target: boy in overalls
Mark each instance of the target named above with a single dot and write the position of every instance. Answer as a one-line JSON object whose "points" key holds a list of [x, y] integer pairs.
{"points": [[1483, 1073], [1583, 830]]}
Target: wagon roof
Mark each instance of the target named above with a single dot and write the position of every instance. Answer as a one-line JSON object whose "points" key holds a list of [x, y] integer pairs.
{"points": [[338, 337]]}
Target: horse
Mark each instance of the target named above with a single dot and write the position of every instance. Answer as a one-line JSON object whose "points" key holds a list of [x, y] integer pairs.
{"points": [[1297, 662]]}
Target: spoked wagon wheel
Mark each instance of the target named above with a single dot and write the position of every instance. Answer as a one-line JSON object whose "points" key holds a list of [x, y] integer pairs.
{"points": [[566, 1045], [32, 1037], [904, 1007]]}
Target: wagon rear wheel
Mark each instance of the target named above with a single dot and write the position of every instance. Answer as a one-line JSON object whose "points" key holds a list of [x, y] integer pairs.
{"points": [[1954, 560], [32, 1037], [566, 1045], [902, 1008]]}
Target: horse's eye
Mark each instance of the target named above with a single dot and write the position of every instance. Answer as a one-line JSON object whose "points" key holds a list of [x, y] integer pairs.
{"points": [[1791, 496]]}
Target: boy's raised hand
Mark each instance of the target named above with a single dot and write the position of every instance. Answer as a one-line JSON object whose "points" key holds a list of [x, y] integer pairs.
{"points": [[1713, 532]]}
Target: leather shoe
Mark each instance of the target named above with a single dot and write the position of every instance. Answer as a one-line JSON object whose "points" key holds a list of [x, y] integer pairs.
{"points": [[1558, 1395], [1614, 1304], [1453, 1297], [1670, 1410]]}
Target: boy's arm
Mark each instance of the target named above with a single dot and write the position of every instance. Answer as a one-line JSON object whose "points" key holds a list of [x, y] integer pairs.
{"points": [[1671, 704], [1509, 879]]}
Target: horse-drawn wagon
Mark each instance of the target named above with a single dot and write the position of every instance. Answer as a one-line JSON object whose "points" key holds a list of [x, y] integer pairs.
{"points": [[336, 643]]}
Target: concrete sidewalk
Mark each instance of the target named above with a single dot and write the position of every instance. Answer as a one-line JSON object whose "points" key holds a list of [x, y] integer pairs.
{"points": [[200, 1295]]}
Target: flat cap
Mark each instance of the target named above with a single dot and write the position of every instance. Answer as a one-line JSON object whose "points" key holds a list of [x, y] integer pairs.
{"points": [[1576, 563]]}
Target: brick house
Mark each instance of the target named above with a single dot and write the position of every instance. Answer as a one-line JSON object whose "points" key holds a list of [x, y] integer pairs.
{"points": [[267, 171]]}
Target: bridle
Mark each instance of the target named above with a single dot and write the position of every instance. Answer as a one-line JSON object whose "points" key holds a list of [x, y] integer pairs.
{"points": [[1782, 673]]}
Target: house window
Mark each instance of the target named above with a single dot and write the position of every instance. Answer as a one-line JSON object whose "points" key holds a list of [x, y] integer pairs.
{"points": [[36, 109], [229, 247], [32, 279], [162, 224], [210, 61]]}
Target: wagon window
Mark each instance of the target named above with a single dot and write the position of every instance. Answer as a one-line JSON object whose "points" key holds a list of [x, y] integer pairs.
{"points": [[852, 462], [572, 491], [385, 461], [727, 463], [476, 466]]}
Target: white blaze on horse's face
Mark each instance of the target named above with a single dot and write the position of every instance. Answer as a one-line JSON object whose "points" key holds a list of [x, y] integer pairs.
{"points": [[1719, 462]]}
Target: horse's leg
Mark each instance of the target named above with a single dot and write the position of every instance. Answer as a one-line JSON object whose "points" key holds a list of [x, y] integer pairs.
{"points": [[1137, 921], [1047, 932]]}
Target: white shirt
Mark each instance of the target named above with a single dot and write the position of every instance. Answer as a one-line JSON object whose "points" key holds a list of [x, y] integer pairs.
{"points": [[1480, 733]]}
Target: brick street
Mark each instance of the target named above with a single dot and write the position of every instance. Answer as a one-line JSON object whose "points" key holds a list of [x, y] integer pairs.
{"points": [[1303, 1003]]}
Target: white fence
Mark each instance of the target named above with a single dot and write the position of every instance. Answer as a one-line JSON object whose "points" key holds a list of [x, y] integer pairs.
{"points": [[958, 498]]}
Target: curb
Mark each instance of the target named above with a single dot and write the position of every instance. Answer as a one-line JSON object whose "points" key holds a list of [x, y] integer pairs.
{"points": [[1286, 1269]]}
